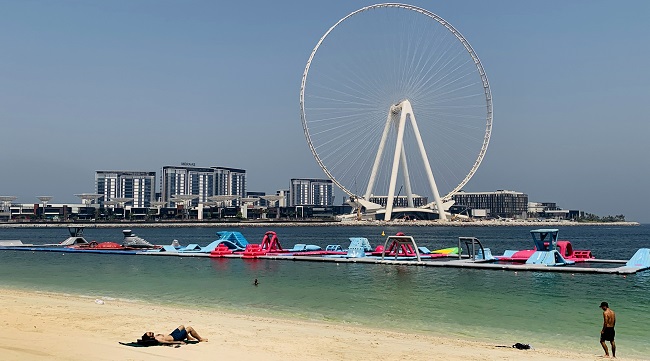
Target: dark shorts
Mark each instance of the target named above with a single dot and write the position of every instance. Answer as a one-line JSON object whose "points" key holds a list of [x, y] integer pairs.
{"points": [[179, 335], [608, 334]]}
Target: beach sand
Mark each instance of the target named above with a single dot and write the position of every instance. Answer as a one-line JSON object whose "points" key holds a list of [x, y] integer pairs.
{"points": [[40, 326]]}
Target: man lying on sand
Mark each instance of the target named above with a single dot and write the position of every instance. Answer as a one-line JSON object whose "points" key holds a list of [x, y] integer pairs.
{"points": [[178, 336]]}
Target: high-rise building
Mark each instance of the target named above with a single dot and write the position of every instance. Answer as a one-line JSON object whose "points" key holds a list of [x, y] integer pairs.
{"points": [[141, 186], [230, 182], [311, 192], [187, 180], [202, 182]]}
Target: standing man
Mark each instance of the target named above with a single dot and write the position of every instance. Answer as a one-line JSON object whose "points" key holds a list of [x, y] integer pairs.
{"points": [[607, 333]]}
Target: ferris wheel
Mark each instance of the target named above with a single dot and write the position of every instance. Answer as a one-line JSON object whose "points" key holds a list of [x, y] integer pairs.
{"points": [[394, 101]]}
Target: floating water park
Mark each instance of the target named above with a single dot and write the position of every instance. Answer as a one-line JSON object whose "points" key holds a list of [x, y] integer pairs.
{"points": [[548, 254]]}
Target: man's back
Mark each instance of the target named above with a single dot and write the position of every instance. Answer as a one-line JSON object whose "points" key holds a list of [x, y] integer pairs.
{"points": [[609, 318]]}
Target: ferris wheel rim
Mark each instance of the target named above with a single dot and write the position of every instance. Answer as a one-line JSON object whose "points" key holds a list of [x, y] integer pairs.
{"points": [[459, 37]]}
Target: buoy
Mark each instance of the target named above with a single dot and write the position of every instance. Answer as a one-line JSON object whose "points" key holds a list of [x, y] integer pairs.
{"points": [[383, 234]]}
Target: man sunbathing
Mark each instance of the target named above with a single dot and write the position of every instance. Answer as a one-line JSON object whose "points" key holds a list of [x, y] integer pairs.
{"points": [[178, 336]]}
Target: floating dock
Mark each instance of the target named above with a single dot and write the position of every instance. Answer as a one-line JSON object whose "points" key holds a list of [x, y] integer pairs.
{"points": [[446, 261], [405, 252], [459, 263]]}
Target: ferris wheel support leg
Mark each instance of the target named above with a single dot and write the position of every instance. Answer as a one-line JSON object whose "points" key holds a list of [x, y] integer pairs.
{"points": [[406, 105], [407, 179], [399, 144], [380, 152]]}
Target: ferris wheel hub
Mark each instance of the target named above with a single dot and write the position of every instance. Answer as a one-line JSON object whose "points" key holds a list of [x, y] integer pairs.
{"points": [[397, 107]]}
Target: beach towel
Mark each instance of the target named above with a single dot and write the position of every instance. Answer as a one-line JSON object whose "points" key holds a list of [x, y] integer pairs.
{"points": [[148, 343], [141, 343], [519, 346]]}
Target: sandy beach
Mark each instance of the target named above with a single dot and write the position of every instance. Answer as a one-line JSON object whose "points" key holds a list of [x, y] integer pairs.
{"points": [[39, 326]]}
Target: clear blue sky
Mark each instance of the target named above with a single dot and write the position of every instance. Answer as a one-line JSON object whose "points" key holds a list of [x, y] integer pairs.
{"points": [[136, 85]]}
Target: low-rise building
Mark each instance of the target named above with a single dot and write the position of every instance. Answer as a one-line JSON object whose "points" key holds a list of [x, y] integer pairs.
{"points": [[502, 203]]}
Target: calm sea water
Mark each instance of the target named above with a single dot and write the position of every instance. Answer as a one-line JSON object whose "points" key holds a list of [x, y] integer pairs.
{"points": [[544, 309]]}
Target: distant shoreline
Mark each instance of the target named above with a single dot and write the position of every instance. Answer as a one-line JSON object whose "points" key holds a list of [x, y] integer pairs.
{"points": [[312, 224]]}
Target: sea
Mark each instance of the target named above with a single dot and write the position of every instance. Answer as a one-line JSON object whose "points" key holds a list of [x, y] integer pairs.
{"points": [[543, 309]]}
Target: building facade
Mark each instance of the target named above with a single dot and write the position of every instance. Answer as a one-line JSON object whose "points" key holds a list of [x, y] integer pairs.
{"points": [[140, 186], [261, 202], [286, 194], [187, 180], [230, 182], [311, 192], [203, 182], [502, 203], [400, 201], [550, 210]]}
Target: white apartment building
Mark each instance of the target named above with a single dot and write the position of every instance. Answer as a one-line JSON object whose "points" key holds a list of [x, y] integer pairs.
{"points": [[230, 182], [136, 185], [311, 192], [202, 182]]}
